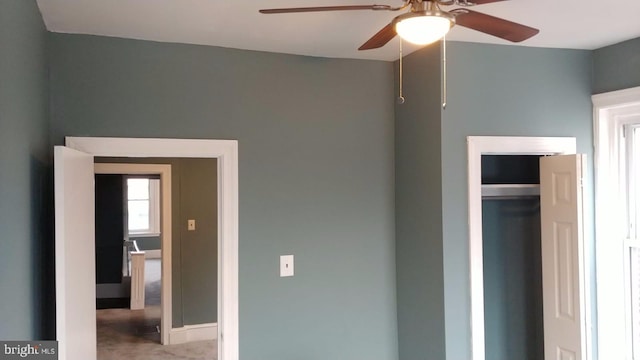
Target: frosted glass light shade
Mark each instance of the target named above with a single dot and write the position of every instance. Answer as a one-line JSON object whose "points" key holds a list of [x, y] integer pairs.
{"points": [[423, 30]]}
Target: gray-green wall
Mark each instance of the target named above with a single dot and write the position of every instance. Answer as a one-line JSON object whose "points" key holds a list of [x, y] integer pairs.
{"points": [[26, 258], [512, 274], [316, 174], [492, 90], [617, 66], [418, 172], [316, 170], [199, 247], [502, 90], [194, 254], [147, 242]]}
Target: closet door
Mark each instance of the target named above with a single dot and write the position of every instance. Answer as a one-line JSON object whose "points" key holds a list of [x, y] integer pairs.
{"points": [[561, 203], [75, 255]]}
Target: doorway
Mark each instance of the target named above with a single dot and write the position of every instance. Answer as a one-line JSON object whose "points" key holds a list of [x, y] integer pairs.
{"points": [[512, 257], [564, 186], [149, 280], [75, 268]]}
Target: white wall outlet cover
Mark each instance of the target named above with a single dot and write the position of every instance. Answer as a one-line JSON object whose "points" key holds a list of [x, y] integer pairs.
{"points": [[286, 265]]}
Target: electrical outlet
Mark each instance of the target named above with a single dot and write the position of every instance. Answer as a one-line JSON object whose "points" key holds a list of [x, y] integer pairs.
{"points": [[191, 225], [286, 265]]}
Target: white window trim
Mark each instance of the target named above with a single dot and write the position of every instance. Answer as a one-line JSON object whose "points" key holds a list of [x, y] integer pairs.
{"points": [[611, 112], [154, 213], [631, 143]]}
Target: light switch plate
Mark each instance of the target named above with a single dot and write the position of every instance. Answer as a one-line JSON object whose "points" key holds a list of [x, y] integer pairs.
{"points": [[191, 225], [286, 265]]}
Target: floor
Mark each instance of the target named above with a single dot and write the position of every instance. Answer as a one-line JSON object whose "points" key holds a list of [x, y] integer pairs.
{"points": [[152, 268], [133, 334]]}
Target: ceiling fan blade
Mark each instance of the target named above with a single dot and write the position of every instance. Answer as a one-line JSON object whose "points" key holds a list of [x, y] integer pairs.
{"points": [[325, 8], [465, 3], [381, 38], [492, 25], [480, 2]]}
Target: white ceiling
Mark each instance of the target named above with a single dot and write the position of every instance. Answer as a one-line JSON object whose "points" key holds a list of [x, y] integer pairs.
{"points": [[585, 24]]}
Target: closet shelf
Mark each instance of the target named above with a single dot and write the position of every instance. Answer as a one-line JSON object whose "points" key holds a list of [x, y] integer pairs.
{"points": [[510, 190]]}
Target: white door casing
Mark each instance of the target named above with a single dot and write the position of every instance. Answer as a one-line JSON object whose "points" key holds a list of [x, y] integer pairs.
{"points": [[494, 145], [74, 251], [226, 152], [563, 281]]}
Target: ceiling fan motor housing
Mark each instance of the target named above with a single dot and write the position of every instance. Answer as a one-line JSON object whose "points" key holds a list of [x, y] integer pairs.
{"points": [[424, 24]]}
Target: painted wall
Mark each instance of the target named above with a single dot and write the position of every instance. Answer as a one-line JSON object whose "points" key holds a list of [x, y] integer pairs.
{"points": [[503, 90], [418, 170], [512, 279], [492, 90], [617, 66], [316, 174], [147, 242], [194, 254], [26, 251], [199, 247]]}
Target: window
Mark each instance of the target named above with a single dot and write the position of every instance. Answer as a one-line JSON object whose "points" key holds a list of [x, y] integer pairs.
{"points": [[632, 242], [143, 206], [635, 299], [617, 207]]}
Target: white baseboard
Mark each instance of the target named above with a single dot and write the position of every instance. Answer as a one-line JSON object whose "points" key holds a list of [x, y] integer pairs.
{"points": [[153, 254], [189, 333]]}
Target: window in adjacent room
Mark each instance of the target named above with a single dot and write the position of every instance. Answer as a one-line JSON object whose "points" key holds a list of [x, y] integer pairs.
{"points": [[143, 206]]}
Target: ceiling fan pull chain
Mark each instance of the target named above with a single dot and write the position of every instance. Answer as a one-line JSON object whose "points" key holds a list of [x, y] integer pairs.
{"points": [[444, 72], [400, 97]]}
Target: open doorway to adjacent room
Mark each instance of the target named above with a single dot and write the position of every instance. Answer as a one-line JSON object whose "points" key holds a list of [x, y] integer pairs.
{"points": [[128, 238], [185, 261], [136, 296], [128, 257]]}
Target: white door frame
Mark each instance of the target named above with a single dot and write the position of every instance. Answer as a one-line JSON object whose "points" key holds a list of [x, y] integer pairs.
{"points": [[494, 145], [226, 153], [165, 199]]}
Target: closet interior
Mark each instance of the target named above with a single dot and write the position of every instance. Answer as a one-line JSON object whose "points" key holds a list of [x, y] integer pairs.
{"points": [[512, 258]]}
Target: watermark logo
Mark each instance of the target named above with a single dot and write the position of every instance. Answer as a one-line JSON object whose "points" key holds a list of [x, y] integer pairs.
{"points": [[41, 350]]}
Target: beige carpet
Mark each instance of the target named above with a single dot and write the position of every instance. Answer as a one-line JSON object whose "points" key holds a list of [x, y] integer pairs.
{"points": [[132, 335]]}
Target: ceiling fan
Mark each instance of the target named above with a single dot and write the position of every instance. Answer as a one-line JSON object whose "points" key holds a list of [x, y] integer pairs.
{"points": [[426, 22]]}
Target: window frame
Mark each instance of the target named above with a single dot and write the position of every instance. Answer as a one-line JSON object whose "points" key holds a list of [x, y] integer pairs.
{"points": [[614, 114], [631, 136], [154, 209]]}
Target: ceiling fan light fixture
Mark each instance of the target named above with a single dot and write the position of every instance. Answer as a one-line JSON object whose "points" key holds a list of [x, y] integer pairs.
{"points": [[422, 28]]}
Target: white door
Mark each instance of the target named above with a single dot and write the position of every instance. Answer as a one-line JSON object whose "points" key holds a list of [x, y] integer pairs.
{"points": [[75, 271], [563, 284]]}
